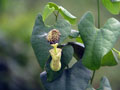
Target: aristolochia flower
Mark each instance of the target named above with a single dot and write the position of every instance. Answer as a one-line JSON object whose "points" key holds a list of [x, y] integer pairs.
{"points": [[55, 63]]}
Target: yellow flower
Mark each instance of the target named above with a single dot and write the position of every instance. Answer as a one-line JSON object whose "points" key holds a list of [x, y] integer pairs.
{"points": [[55, 53]]}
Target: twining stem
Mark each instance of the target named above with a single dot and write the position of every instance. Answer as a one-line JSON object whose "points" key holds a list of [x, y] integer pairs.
{"points": [[56, 15], [98, 9], [92, 77]]}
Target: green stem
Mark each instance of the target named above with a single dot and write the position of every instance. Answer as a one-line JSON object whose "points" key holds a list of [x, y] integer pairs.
{"points": [[56, 15], [98, 9], [92, 77]]}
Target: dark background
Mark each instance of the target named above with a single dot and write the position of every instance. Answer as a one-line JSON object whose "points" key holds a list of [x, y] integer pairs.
{"points": [[19, 69]]}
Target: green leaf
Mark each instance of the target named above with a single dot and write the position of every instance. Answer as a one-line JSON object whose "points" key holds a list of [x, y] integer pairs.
{"points": [[47, 11], [112, 7], [78, 49], [98, 42], [67, 53], [75, 78], [40, 44], [104, 84], [51, 4], [109, 59], [67, 15], [78, 39], [74, 33]]}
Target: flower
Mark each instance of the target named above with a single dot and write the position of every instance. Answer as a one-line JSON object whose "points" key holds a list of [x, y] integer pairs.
{"points": [[53, 36], [55, 53]]}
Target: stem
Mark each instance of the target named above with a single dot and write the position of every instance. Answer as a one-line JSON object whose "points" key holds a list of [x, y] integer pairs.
{"points": [[56, 15], [98, 8], [92, 77]]}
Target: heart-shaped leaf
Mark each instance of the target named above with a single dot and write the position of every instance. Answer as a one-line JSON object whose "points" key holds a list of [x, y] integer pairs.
{"points": [[98, 42], [75, 78], [39, 43], [113, 6], [67, 53]]}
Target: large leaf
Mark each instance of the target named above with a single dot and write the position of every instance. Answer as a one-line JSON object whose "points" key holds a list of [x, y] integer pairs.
{"points": [[75, 78], [40, 44], [98, 42], [67, 15], [67, 53], [112, 6]]}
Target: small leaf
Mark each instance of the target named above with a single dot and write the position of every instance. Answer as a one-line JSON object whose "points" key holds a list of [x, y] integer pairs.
{"points": [[51, 4], [74, 33], [98, 42], [112, 6], [75, 78], [39, 42], [67, 15], [47, 11], [104, 84], [67, 53]]}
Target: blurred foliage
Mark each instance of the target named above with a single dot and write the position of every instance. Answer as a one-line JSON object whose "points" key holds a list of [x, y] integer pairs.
{"points": [[19, 69]]}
